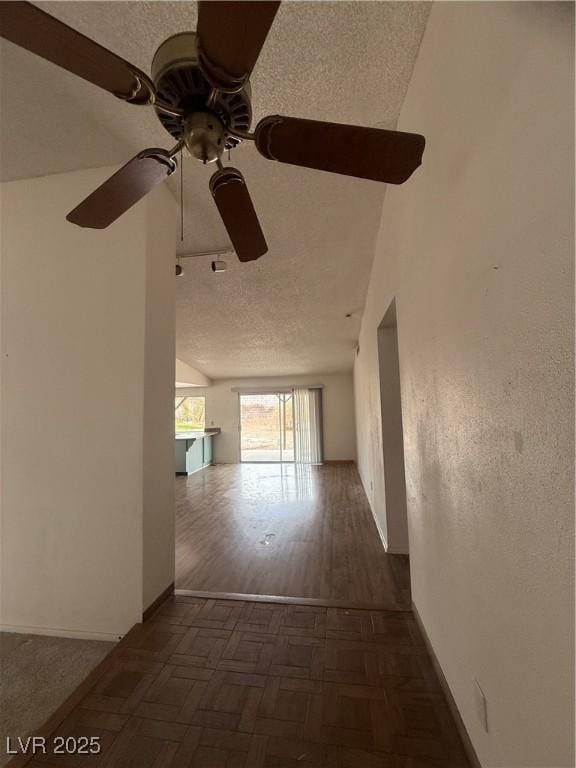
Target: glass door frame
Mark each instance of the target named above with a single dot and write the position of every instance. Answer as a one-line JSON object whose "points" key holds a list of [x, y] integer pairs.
{"points": [[283, 396]]}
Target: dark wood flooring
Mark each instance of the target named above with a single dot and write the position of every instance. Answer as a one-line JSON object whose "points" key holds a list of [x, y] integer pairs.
{"points": [[286, 530], [230, 684]]}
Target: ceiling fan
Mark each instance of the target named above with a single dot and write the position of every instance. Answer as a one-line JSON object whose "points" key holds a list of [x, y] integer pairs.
{"points": [[200, 91]]}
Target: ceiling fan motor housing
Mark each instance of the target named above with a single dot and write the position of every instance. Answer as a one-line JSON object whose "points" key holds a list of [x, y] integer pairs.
{"points": [[180, 83]]}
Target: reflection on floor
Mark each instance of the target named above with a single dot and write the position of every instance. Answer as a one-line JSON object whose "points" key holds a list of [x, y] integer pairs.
{"points": [[37, 673], [284, 529], [267, 454]]}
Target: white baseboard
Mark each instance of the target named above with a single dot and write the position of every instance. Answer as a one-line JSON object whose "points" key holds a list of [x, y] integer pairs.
{"points": [[397, 551], [68, 633], [452, 706]]}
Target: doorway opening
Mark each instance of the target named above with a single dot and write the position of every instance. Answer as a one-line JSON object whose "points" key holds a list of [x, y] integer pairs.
{"points": [[267, 427], [392, 434]]}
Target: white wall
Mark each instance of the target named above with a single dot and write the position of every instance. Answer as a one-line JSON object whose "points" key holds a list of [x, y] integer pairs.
{"points": [[222, 410], [478, 250], [188, 376], [160, 350], [74, 353]]}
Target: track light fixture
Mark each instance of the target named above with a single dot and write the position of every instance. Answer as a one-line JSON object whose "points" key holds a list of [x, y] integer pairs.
{"points": [[218, 265]]}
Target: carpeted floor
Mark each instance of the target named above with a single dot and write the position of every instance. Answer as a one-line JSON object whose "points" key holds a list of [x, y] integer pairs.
{"points": [[38, 673]]}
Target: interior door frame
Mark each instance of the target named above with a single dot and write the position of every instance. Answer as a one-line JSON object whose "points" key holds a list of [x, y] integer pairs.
{"points": [[392, 432]]}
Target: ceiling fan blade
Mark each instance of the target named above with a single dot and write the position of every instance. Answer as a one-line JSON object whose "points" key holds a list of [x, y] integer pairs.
{"points": [[122, 190], [233, 201], [231, 37], [31, 28], [367, 153]]}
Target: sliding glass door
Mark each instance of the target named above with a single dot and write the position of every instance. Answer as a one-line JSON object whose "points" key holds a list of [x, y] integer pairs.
{"points": [[267, 427]]}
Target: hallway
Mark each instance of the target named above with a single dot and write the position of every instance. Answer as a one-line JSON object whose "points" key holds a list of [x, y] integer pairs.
{"points": [[215, 683], [284, 530]]}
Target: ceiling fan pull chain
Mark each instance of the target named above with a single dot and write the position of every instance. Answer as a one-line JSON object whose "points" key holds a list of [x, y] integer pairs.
{"points": [[181, 198]]}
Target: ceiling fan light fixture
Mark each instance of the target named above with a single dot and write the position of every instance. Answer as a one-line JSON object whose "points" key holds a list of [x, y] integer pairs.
{"points": [[204, 137]]}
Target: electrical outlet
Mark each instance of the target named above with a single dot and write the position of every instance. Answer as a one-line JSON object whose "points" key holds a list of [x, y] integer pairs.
{"points": [[481, 705]]}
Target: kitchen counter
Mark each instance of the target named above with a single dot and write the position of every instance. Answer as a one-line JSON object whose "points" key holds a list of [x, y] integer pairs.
{"points": [[196, 435], [193, 450]]}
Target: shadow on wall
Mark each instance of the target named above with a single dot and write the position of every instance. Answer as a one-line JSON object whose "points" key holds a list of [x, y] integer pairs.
{"points": [[392, 433]]}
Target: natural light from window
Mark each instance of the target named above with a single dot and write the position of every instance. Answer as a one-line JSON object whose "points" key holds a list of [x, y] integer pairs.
{"points": [[190, 414]]}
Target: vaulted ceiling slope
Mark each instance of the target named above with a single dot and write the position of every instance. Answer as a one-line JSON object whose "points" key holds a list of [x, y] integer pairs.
{"points": [[337, 61]]}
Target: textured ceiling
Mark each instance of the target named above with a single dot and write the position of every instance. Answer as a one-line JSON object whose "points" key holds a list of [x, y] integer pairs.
{"points": [[339, 61]]}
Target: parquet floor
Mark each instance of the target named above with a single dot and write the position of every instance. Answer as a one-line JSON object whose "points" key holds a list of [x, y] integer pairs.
{"points": [[287, 530], [230, 684]]}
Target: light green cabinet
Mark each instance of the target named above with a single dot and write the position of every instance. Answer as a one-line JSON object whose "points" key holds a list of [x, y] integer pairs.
{"points": [[207, 445], [195, 456], [192, 453]]}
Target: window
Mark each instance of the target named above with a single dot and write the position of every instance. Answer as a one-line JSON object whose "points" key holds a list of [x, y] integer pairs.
{"points": [[190, 414]]}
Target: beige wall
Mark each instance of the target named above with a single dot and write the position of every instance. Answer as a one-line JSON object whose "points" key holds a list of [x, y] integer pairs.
{"points": [[186, 374], [222, 410], [477, 250], [160, 349], [80, 325]]}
